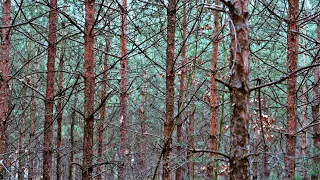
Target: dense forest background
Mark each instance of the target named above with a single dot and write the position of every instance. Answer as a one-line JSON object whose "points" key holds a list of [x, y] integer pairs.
{"points": [[160, 89]]}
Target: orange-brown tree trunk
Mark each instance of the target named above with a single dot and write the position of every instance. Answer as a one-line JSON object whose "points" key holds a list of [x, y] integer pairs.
{"points": [[60, 103], [89, 90], [213, 88], [170, 75], [292, 59], [49, 103], [181, 89], [315, 107], [123, 89], [103, 110], [239, 88], [5, 32]]}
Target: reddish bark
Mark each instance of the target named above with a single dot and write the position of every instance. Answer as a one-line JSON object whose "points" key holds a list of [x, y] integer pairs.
{"points": [[239, 164], [103, 110], [292, 59], [31, 164], [123, 88], [88, 90], [60, 102], [181, 89], [170, 75], [49, 103], [213, 87], [315, 107], [142, 145], [6, 7]]}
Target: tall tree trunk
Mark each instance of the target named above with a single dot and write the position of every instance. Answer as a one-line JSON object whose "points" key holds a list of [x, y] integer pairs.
{"points": [[239, 164], [123, 88], [213, 87], [103, 110], [49, 102], [31, 164], [292, 59], [23, 116], [60, 102], [88, 90], [142, 145], [170, 75], [315, 107], [72, 124], [181, 89], [5, 32], [304, 116]]}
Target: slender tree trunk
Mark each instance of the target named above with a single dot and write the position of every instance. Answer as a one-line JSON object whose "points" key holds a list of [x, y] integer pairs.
{"points": [[292, 60], [182, 89], [31, 164], [142, 145], [5, 32], [49, 103], [304, 117], [88, 90], [103, 109], [72, 123], [213, 88], [60, 102], [191, 142], [239, 164], [23, 116], [170, 75], [315, 107], [123, 89]]}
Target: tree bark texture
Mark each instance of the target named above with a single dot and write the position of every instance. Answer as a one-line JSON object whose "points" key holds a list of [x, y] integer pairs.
{"points": [[89, 90], [123, 89], [5, 32], [170, 75], [181, 90], [213, 88], [292, 59], [49, 103], [60, 103], [103, 109], [315, 106], [239, 88]]}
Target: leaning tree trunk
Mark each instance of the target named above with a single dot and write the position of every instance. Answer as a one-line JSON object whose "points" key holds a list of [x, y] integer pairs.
{"points": [[292, 59], [315, 106], [88, 90], [170, 75], [239, 164], [49, 103]]}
